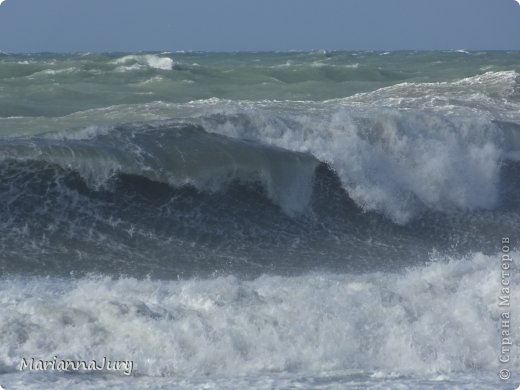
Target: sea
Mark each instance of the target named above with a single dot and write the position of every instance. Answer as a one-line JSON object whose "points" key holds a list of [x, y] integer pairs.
{"points": [[260, 220]]}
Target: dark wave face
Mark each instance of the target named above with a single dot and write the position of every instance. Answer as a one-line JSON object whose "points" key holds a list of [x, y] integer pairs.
{"points": [[259, 220], [170, 199]]}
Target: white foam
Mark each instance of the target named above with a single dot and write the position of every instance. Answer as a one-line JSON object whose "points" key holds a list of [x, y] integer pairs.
{"points": [[318, 64], [489, 91], [85, 133], [318, 52], [437, 319], [145, 60], [53, 72], [152, 80], [393, 162], [129, 68]]}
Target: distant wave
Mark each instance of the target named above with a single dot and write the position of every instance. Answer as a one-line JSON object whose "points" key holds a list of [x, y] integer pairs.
{"points": [[121, 79], [133, 62]]}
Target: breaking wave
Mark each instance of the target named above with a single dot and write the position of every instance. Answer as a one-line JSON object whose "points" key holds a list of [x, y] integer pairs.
{"points": [[437, 319], [135, 62]]}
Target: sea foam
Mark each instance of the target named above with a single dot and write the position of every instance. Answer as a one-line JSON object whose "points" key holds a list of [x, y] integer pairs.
{"points": [[132, 62], [440, 318]]}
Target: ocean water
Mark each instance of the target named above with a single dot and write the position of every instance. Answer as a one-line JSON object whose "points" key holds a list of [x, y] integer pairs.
{"points": [[306, 220]]}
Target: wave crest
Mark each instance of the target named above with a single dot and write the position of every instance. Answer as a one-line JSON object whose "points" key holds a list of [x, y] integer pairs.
{"points": [[398, 163], [132, 62]]}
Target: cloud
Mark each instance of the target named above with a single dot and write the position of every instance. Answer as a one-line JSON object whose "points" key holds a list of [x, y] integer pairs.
{"points": [[518, 1], [1, 1]]}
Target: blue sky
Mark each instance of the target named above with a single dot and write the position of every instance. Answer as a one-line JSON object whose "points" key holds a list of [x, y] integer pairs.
{"points": [[232, 25]]}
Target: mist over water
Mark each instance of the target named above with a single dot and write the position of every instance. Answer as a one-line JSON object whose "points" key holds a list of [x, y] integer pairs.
{"points": [[258, 219]]}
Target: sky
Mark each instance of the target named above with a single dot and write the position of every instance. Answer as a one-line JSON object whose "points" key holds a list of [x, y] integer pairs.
{"points": [[257, 25]]}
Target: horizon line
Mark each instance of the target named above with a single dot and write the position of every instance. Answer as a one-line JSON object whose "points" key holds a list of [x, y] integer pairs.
{"points": [[180, 51]]}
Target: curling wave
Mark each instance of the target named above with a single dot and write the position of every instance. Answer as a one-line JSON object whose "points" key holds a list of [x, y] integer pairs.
{"points": [[180, 155]]}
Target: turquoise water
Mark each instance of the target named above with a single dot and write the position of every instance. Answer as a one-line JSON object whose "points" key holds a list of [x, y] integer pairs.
{"points": [[53, 85]]}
